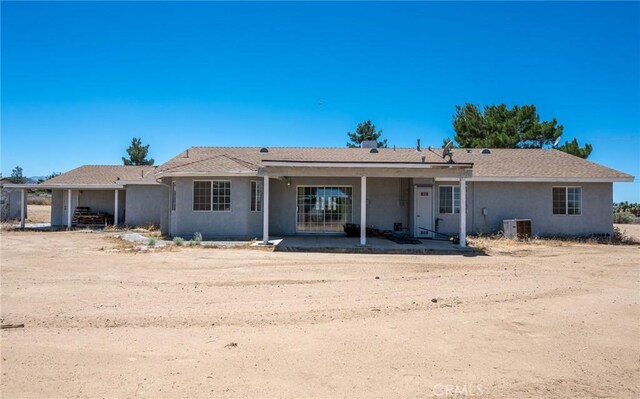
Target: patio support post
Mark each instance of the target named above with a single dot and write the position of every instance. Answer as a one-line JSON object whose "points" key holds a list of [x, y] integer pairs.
{"points": [[463, 212], [23, 205], [69, 208], [115, 208], [363, 210], [265, 211]]}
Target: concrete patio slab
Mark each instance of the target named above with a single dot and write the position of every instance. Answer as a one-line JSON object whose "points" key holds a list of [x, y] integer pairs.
{"points": [[375, 245]]}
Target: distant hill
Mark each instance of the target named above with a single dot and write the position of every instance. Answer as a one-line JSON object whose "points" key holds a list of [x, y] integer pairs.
{"points": [[34, 179]]}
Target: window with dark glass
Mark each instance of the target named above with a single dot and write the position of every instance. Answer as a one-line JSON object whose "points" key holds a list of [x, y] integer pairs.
{"points": [[567, 200], [449, 199], [201, 195], [256, 196]]}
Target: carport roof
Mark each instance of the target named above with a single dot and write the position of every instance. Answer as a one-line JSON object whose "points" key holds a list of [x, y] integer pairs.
{"points": [[97, 177]]}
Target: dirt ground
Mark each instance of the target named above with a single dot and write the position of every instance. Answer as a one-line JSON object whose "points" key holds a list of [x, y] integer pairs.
{"points": [[631, 230], [527, 320], [38, 213]]}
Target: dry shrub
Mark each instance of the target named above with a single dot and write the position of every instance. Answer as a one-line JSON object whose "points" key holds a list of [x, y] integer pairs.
{"points": [[485, 242], [38, 200]]}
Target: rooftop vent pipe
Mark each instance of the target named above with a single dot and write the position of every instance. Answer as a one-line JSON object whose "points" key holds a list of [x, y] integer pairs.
{"points": [[418, 145]]}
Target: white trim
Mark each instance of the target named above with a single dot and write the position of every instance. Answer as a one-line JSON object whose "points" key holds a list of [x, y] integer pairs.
{"points": [[311, 233], [23, 205], [377, 165], [139, 183], [265, 213], [447, 179], [553, 179], [463, 213], [69, 214], [453, 199], [115, 208], [160, 175], [259, 203], [363, 210], [65, 186]]}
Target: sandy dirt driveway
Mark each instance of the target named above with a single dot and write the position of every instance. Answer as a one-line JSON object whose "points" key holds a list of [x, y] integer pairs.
{"points": [[38, 213], [528, 320]]}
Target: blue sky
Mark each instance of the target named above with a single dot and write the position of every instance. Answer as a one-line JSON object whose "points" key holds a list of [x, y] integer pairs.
{"points": [[80, 79]]}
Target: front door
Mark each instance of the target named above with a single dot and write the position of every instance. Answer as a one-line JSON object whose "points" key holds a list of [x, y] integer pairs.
{"points": [[423, 211]]}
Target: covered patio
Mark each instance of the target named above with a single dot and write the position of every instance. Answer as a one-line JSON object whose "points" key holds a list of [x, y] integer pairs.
{"points": [[423, 178]]}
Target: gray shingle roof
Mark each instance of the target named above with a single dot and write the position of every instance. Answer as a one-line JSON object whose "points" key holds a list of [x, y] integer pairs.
{"points": [[102, 174], [499, 163]]}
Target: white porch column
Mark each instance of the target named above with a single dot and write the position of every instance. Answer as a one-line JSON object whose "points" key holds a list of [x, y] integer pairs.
{"points": [[363, 210], [69, 211], [115, 208], [265, 211], [463, 212], [23, 204]]}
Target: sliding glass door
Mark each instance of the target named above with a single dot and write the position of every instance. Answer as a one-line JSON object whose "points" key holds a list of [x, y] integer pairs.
{"points": [[323, 209]]}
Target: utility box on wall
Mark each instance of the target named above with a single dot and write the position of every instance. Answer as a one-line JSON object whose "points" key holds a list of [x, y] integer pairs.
{"points": [[516, 228]]}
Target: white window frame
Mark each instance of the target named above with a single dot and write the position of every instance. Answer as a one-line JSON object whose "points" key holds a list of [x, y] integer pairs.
{"points": [[256, 206], [453, 200], [174, 195], [566, 201], [193, 187], [321, 185]]}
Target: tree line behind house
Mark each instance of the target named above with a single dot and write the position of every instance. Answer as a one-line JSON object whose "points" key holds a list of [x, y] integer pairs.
{"points": [[495, 126], [626, 213]]}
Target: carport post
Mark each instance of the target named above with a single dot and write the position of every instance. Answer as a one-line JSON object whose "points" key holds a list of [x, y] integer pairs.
{"points": [[115, 208], [265, 211], [363, 210], [463, 212], [69, 209], [23, 204]]}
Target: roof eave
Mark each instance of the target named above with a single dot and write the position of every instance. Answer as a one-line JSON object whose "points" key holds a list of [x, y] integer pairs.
{"points": [[366, 164], [551, 179], [64, 186], [162, 174]]}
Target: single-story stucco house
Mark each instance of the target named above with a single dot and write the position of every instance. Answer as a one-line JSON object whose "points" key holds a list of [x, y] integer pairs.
{"points": [[261, 192]]}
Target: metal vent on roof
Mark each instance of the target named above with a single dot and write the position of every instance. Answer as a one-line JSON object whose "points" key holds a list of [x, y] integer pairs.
{"points": [[485, 151], [373, 150], [263, 149], [369, 144]]}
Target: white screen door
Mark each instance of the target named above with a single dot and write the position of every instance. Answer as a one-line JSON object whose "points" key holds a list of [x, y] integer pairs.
{"points": [[423, 211]]}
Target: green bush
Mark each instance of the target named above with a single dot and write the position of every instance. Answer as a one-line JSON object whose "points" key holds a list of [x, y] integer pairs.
{"points": [[625, 218], [152, 241], [627, 207], [197, 238], [178, 241]]}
